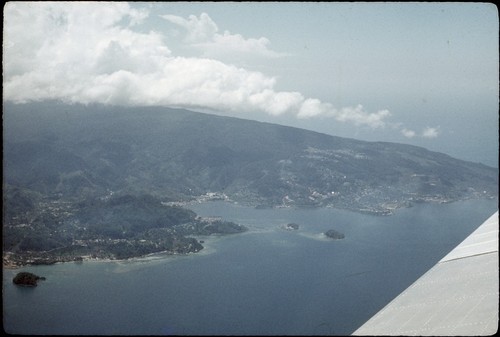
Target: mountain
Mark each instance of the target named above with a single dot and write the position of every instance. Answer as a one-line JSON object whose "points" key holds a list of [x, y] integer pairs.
{"points": [[88, 151], [95, 181]]}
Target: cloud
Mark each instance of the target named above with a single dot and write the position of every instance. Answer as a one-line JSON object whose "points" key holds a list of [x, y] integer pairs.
{"points": [[276, 103], [359, 116], [313, 107], [202, 33], [85, 52], [408, 133], [430, 132], [60, 50], [200, 29], [427, 132]]}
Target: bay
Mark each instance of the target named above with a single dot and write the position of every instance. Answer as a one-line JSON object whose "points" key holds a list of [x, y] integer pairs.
{"points": [[267, 281]]}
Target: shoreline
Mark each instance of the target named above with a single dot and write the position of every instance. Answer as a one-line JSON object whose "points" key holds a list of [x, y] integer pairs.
{"points": [[151, 256], [208, 241]]}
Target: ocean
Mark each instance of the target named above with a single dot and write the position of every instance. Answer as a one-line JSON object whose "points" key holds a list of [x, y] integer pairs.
{"points": [[267, 281]]}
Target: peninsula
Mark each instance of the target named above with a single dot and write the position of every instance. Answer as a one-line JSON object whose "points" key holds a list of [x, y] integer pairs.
{"points": [[117, 228]]}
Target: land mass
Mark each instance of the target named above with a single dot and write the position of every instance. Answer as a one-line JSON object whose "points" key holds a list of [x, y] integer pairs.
{"points": [[291, 226], [97, 181], [27, 279], [333, 234], [117, 227]]}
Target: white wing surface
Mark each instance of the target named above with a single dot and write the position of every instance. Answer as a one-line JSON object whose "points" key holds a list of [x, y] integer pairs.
{"points": [[457, 297]]}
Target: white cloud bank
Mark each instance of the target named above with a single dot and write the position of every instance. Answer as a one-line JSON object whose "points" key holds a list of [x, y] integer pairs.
{"points": [[89, 52], [203, 33]]}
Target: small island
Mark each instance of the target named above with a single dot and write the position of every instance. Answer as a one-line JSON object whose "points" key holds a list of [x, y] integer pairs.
{"points": [[26, 279], [291, 226], [333, 234]]}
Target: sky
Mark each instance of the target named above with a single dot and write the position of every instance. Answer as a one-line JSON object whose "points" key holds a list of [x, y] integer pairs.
{"points": [[424, 73]]}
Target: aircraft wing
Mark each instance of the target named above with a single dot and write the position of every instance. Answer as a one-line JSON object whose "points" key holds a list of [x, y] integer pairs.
{"points": [[458, 296]]}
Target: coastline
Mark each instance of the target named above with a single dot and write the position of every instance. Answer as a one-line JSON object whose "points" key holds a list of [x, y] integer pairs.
{"points": [[208, 248]]}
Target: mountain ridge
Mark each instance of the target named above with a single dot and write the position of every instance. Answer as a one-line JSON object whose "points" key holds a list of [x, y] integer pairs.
{"points": [[179, 154], [92, 182]]}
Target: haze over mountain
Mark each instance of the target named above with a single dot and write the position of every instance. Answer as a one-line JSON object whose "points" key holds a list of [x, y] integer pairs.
{"points": [[81, 151]]}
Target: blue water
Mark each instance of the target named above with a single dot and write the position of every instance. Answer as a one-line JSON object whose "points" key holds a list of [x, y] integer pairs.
{"points": [[267, 281]]}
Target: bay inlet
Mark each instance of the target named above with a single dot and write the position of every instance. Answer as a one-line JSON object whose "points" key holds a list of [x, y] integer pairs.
{"points": [[267, 281]]}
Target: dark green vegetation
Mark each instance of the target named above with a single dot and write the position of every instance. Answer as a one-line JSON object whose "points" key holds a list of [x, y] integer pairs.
{"points": [[333, 234], [101, 181], [26, 279], [114, 227]]}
